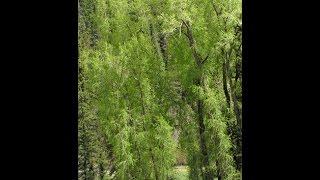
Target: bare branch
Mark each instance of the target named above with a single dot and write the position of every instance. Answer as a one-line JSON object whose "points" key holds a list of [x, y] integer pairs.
{"points": [[186, 24], [205, 59]]}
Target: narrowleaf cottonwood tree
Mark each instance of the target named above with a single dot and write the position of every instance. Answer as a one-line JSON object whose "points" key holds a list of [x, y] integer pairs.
{"points": [[148, 69]]}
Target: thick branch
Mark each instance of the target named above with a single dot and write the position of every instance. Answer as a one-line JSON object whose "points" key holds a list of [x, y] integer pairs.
{"points": [[192, 44], [233, 93]]}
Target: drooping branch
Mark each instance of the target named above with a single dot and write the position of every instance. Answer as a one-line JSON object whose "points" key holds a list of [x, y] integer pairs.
{"points": [[192, 43], [154, 38]]}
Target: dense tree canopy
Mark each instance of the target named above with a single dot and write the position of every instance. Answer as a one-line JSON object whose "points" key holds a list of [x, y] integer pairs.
{"points": [[158, 78]]}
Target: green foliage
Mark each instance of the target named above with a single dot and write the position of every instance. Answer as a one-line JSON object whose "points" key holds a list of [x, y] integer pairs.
{"points": [[140, 83]]}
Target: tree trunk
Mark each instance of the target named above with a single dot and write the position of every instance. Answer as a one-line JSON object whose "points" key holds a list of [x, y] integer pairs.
{"points": [[238, 71], [203, 145], [207, 174], [232, 91], [163, 49], [233, 96], [225, 85], [156, 173]]}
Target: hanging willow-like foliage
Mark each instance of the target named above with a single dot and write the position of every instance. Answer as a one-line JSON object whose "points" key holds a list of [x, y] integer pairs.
{"points": [[156, 78]]}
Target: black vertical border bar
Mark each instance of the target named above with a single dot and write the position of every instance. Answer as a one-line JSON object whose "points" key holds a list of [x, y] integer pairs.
{"points": [[70, 68], [74, 96], [254, 68], [72, 93], [246, 45]]}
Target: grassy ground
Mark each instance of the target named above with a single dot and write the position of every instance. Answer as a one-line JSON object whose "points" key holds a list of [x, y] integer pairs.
{"points": [[180, 173]]}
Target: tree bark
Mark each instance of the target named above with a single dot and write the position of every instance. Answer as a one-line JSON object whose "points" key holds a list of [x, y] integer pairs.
{"points": [[225, 84], [203, 146], [163, 48], [156, 173], [238, 71], [233, 94], [207, 174]]}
